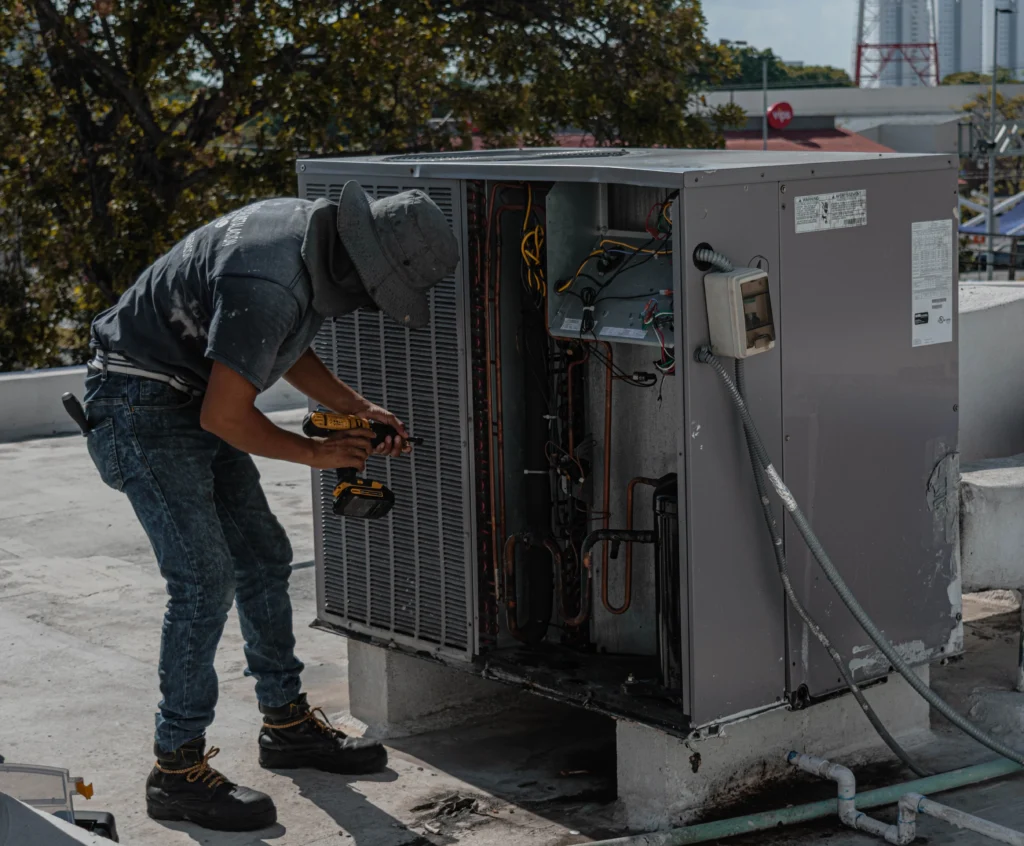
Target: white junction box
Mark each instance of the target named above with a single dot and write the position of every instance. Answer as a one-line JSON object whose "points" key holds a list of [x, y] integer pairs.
{"points": [[739, 312]]}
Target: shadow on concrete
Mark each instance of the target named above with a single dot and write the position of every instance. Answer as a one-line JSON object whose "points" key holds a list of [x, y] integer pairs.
{"points": [[553, 760], [359, 821], [263, 837]]}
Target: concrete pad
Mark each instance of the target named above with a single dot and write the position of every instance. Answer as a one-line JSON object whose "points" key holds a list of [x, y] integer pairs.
{"points": [[991, 380], [664, 781], [992, 531], [395, 695], [80, 610], [81, 604]]}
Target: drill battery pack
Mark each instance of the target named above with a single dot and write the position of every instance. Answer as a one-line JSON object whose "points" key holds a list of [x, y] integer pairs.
{"points": [[355, 496], [361, 498]]}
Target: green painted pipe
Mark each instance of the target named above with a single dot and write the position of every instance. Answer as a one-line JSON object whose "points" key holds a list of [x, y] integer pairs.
{"points": [[816, 810]]}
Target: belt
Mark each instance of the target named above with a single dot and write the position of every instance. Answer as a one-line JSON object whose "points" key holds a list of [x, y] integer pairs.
{"points": [[108, 362]]}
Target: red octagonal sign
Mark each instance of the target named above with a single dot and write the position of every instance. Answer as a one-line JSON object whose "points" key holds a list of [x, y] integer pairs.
{"points": [[780, 115]]}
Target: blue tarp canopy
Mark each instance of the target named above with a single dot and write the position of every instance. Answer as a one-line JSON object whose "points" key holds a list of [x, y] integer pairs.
{"points": [[1005, 221]]}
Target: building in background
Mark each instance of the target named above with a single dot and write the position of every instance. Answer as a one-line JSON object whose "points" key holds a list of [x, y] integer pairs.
{"points": [[906, 22], [895, 44], [959, 31], [1011, 36]]}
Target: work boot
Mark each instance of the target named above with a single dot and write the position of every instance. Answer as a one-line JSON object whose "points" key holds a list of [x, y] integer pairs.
{"points": [[184, 787], [297, 736]]}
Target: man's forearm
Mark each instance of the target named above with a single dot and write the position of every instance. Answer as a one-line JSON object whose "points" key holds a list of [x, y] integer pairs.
{"points": [[311, 376], [249, 430]]}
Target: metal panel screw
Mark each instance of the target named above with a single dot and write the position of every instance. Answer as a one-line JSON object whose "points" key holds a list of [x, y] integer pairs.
{"points": [[959, 617], [783, 189], [302, 167], [956, 407]]}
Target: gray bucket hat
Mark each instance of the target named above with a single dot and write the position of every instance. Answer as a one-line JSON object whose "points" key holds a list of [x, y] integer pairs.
{"points": [[401, 246]]}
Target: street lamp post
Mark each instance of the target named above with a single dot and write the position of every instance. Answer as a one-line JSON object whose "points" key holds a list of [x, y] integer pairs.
{"points": [[990, 256], [764, 106]]}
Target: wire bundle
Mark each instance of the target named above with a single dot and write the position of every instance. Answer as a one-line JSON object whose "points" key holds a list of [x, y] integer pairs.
{"points": [[662, 226], [530, 248], [651, 318], [608, 246]]}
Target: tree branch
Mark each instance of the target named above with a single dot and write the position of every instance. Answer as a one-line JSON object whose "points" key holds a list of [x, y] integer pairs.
{"points": [[136, 99]]}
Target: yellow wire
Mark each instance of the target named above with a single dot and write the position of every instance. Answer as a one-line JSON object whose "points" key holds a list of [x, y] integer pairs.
{"points": [[630, 247]]}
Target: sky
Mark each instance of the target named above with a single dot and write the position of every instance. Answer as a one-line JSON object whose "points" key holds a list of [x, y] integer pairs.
{"points": [[816, 32]]}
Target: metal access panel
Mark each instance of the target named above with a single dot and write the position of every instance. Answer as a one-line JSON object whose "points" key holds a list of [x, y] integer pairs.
{"points": [[406, 578], [869, 399], [735, 613]]}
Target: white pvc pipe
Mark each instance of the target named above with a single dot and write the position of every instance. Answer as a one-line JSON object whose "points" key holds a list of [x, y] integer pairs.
{"points": [[914, 803], [848, 813]]}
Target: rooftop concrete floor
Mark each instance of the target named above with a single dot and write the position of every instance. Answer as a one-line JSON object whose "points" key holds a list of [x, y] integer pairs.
{"points": [[80, 609]]}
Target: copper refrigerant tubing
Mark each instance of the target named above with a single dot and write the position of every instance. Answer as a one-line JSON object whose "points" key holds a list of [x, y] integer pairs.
{"points": [[606, 521], [627, 576], [586, 580], [576, 362], [494, 358], [511, 606]]}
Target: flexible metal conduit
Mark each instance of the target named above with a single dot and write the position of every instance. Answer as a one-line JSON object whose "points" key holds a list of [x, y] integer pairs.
{"points": [[705, 832], [716, 260], [705, 356]]}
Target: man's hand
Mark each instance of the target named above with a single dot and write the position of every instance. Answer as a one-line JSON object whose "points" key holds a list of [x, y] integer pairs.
{"points": [[311, 376], [390, 446], [348, 449]]}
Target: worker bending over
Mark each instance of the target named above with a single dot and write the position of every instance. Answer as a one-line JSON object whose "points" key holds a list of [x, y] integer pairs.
{"points": [[170, 403]]}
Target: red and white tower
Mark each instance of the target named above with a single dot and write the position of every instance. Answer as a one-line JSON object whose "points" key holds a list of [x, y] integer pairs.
{"points": [[896, 43]]}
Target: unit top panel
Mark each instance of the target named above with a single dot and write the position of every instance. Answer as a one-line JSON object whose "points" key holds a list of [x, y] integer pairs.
{"points": [[656, 167]]}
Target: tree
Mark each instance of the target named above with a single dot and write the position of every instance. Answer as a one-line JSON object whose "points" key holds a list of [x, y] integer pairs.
{"points": [[130, 122], [749, 62], [1003, 77], [1010, 170]]}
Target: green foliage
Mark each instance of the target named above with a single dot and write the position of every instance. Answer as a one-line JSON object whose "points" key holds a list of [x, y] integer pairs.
{"points": [[1003, 77], [749, 62], [129, 122]]}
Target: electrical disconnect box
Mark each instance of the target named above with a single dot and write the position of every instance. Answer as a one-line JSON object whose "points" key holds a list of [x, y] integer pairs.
{"points": [[581, 517]]}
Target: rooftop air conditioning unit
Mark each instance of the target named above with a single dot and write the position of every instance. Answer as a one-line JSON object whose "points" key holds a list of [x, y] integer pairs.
{"points": [[557, 393]]}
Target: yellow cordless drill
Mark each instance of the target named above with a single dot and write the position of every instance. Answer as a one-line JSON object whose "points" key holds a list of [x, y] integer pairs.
{"points": [[355, 496]]}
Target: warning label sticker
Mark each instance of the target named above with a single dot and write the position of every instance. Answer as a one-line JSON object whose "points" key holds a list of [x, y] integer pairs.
{"points": [[572, 324], [839, 210], [932, 282]]}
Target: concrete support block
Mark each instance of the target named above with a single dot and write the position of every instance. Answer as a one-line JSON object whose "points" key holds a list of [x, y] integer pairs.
{"points": [[991, 379], [664, 781], [991, 529], [392, 694]]}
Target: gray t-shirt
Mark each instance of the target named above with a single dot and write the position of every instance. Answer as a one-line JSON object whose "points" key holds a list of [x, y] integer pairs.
{"points": [[237, 291]]}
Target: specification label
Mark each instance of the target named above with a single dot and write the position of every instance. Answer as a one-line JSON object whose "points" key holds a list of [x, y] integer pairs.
{"points": [[839, 210], [932, 282], [623, 332]]}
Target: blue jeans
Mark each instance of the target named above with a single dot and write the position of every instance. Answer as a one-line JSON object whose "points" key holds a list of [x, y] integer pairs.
{"points": [[215, 540]]}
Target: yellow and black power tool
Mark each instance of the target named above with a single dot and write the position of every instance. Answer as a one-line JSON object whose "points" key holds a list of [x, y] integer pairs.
{"points": [[355, 496]]}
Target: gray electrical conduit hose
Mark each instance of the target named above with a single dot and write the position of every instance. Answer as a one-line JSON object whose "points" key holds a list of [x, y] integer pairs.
{"points": [[781, 564], [721, 263], [705, 356]]}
